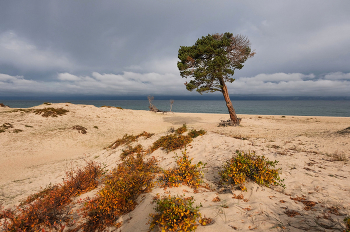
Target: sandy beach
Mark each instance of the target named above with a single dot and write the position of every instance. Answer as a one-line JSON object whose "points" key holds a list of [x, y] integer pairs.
{"points": [[313, 154]]}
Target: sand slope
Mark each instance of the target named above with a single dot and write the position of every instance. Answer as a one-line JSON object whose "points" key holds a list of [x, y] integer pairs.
{"points": [[314, 159]]}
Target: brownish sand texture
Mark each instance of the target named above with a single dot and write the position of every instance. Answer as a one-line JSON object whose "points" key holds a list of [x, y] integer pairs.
{"points": [[313, 153]]}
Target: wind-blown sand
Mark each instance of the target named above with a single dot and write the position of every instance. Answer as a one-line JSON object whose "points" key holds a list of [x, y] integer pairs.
{"points": [[314, 159]]}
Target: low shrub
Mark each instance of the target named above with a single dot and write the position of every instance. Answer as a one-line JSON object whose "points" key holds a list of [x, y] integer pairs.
{"points": [[118, 196], [171, 142], [250, 166], [175, 214], [48, 208], [195, 133], [127, 139], [181, 130], [184, 173], [138, 149], [51, 112]]}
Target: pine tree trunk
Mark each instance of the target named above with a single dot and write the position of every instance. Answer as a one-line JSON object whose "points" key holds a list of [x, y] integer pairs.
{"points": [[230, 108]]}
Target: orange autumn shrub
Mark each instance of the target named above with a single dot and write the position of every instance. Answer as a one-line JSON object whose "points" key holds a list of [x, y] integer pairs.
{"points": [[118, 196], [250, 166], [181, 130], [175, 214], [184, 173], [171, 142], [48, 209]]}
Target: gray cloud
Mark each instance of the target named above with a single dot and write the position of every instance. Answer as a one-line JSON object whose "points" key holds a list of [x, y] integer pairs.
{"points": [[130, 47]]}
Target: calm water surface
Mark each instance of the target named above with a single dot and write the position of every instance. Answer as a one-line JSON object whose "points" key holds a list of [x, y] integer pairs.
{"points": [[338, 108]]}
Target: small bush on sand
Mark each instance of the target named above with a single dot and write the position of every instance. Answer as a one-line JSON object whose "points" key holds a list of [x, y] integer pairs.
{"points": [[175, 214], [131, 150], [181, 130], [171, 142], [127, 139], [51, 112], [175, 141], [195, 133], [118, 196], [250, 166], [48, 208], [184, 173]]}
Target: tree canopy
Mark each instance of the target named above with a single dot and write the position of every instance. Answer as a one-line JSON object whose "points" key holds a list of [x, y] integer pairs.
{"points": [[213, 59]]}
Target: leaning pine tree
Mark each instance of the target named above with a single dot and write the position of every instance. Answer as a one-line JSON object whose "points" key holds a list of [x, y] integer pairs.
{"points": [[212, 61]]}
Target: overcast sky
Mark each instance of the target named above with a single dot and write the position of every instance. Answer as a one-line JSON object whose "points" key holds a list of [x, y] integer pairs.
{"points": [[115, 48]]}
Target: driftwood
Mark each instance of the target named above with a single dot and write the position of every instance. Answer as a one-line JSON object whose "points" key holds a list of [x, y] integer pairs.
{"points": [[225, 123], [152, 107]]}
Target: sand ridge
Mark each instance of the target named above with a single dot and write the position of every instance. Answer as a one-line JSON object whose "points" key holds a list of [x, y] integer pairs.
{"points": [[314, 159]]}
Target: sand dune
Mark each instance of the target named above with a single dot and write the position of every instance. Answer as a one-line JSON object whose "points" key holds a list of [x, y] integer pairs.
{"points": [[313, 155]]}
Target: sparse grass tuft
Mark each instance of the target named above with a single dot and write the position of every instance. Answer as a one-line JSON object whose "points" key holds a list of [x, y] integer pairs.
{"points": [[113, 107], [344, 131], [80, 129], [127, 139], [51, 112], [184, 173], [5, 126], [250, 166], [175, 214], [138, 149], [17, 131]]}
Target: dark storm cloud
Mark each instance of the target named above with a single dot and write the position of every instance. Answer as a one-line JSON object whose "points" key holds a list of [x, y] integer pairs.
{"points": [[130, 47]]}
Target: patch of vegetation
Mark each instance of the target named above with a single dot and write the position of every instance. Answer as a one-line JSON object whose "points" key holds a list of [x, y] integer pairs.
{"points": [[127, 139], [347, 224], [195, 133], [113, 107], [48, 208], [80, 129], [204, 221], [138, 149], [175, 141], [17, 131], [184, 173], [3, 105], [51, 112], [96, 127], [181, 130], [250, 166], [171, 142], [5, 126], [47, 103], [175, 214], [344, 131], [118, 196], [28, 126]]}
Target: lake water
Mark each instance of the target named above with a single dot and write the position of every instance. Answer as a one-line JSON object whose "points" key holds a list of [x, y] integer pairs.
{"points": [[337, 108]]}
